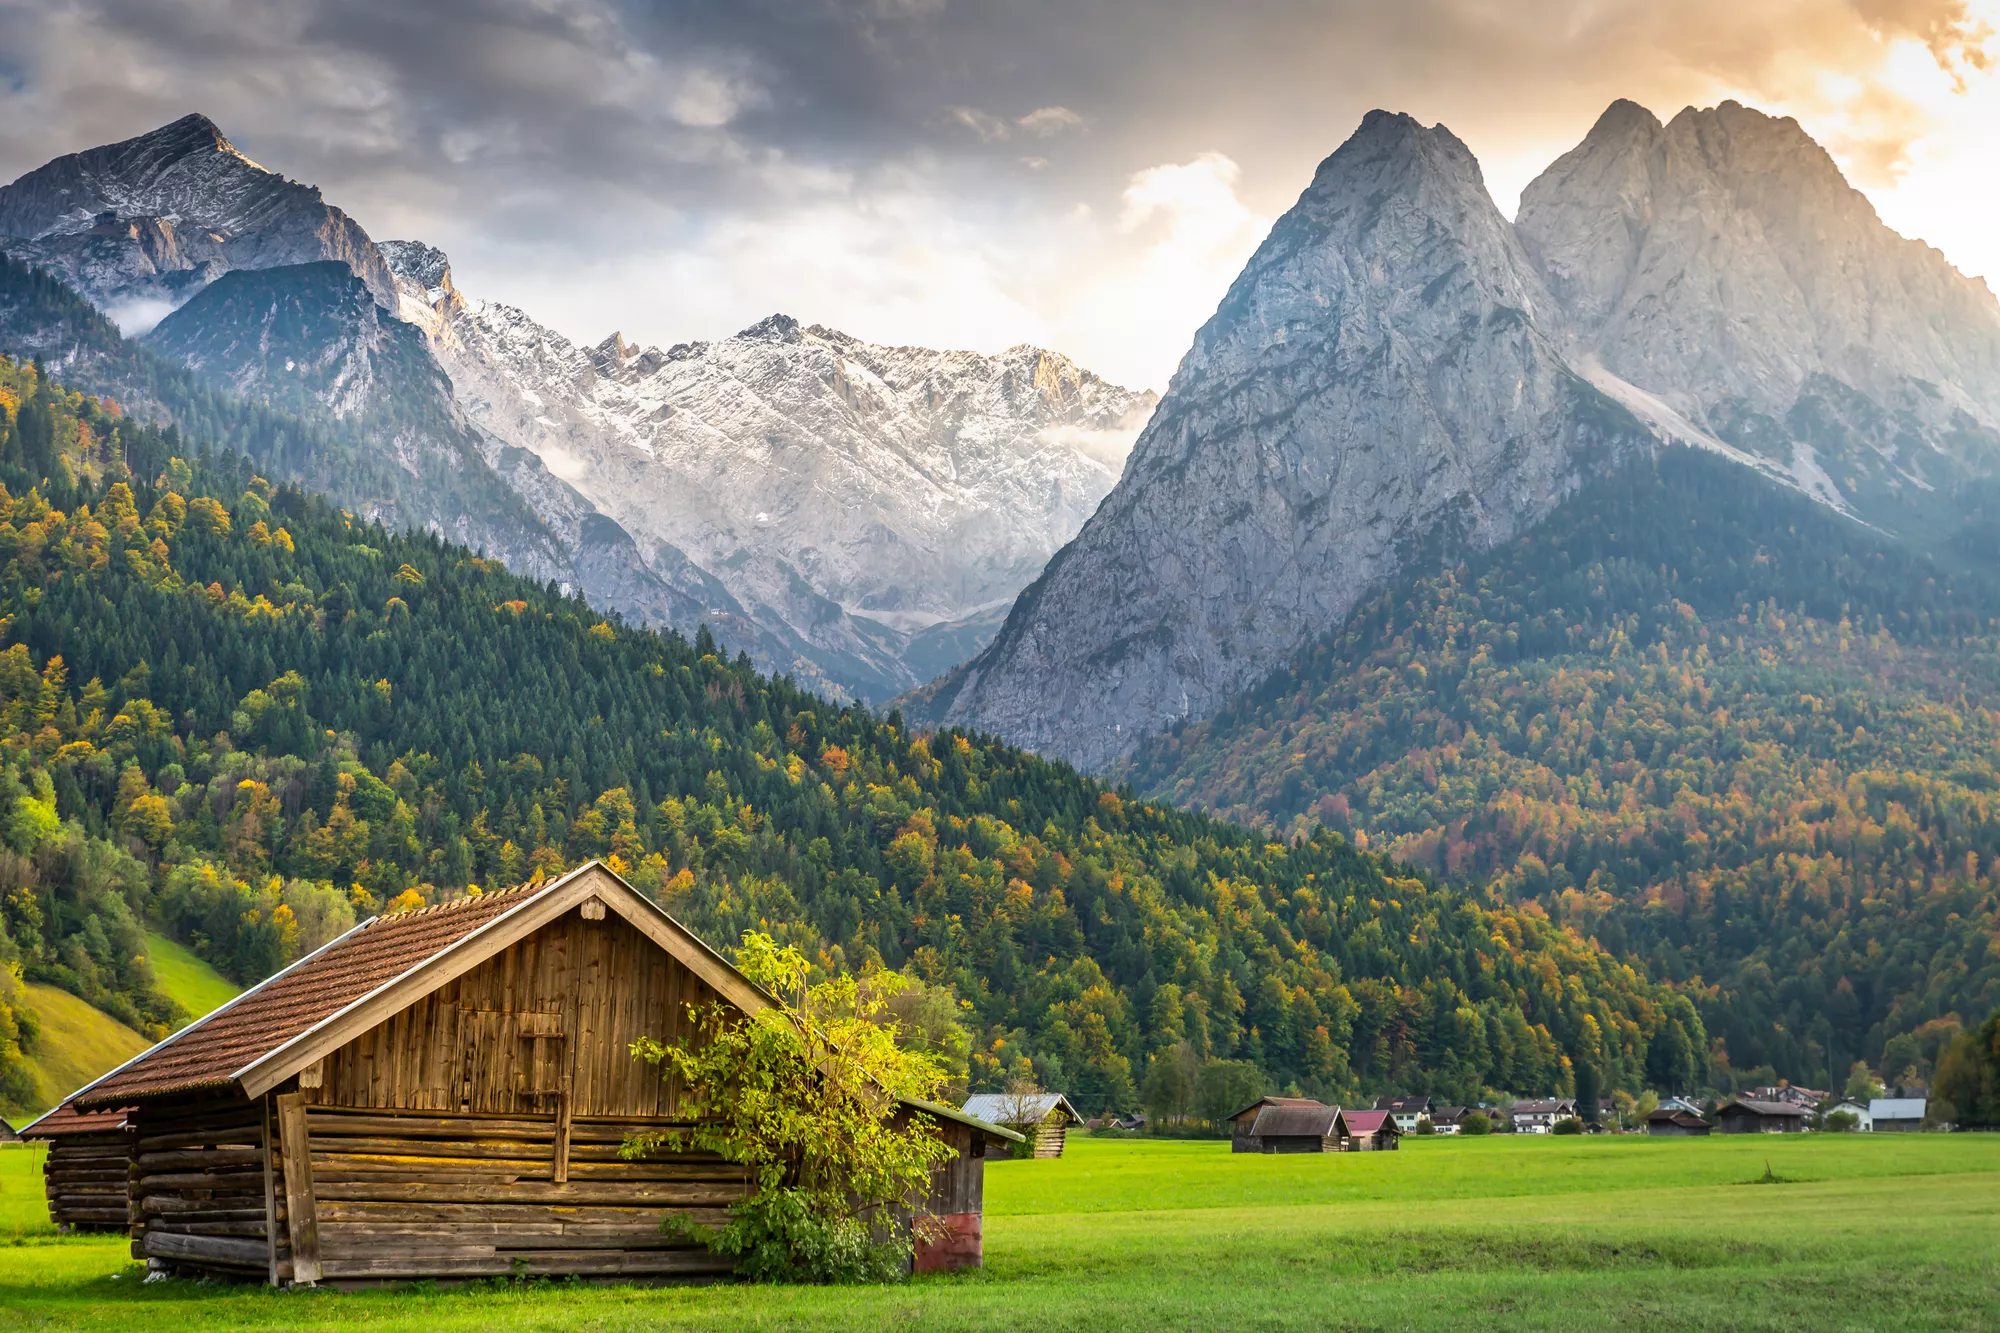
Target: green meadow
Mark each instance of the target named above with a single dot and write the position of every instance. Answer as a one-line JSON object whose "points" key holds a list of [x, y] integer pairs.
{"points": [[1861, 1232]]}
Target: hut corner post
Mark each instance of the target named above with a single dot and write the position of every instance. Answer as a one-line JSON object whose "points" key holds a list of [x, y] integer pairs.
{"points": [[302, 1211], [270, 1192]]}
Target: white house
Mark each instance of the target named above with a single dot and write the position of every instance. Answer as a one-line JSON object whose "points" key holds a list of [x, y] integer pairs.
{"points": [[1864, 1120], [1539, 1117]]}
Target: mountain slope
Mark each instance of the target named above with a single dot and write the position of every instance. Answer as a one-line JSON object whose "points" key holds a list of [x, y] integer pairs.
{"points": [[1727, 733], [1401, 368], [272, 705], [1376, 377], [1723, 265], [142, 225], [850, 495]]}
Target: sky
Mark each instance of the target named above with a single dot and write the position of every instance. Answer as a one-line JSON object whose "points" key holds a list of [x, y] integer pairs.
{"points": [[1087, 175]]}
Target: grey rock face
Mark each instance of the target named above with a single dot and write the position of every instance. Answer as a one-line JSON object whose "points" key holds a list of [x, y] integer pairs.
{"points": [[1377, 379], [1398, 367], [1723, 265], [148, 222]]}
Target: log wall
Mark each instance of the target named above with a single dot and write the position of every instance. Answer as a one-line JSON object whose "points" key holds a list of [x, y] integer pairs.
{"points": [[201, 1188], [85, 1178]]}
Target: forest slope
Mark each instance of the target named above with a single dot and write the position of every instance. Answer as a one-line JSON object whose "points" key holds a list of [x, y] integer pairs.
{"points": [[1739, 740], [232, 710]]}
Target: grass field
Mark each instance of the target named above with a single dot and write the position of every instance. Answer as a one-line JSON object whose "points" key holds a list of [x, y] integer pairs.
{"points": [[1871, 1232], [188, 981]]}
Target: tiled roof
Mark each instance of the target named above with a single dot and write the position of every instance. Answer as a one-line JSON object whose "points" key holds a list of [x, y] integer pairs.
{"points": [[210, 1053], [1001, 1108], [1272, 1101], [1766, 1108], [1315, 1121], [1367, 1122], [66, 1119]]}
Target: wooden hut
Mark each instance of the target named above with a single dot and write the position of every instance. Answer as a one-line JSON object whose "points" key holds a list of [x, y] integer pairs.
{"points": [[442, 1094], [1368, 1131], [1745, 1115], [85, 1172], [1313, 1127], [1042, 1118], [1243, 1123], [1674, 1122]]}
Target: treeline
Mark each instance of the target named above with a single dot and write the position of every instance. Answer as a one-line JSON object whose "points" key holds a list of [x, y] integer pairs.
{"points": [[263, 719], [1740, 742]]}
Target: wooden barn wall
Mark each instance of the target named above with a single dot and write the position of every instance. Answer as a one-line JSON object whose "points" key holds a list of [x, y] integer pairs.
{"points": [[560, 1007], [202, 1188], [405, 1195], [85, 1177]]}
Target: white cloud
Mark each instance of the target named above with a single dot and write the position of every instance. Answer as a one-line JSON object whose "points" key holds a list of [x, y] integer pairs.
{"points": [[1049, 121]]}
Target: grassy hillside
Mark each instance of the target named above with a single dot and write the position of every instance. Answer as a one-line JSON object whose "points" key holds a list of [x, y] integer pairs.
{"points": [[76, 1044], [1510, 1233], [186, 980], [1737, 740]]}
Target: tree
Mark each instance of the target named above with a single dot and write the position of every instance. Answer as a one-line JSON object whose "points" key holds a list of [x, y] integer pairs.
{"points": [[1475, 1124], [1861, 1083], [1569, 1124], [809, 1096], [1224, 1086], [1967, 1090], [1840, 1122], [1172, 1084]]}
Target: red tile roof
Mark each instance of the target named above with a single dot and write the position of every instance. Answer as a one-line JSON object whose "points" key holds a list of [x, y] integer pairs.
{"points": [[210, 1053], [1366, 1122], [66, 1119]]}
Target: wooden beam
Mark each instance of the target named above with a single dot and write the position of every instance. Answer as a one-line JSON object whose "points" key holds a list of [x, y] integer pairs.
{"points": [[300, 1205], [270, 1196]]}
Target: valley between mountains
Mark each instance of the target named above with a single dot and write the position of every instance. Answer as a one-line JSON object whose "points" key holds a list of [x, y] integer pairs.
{"points": [[1557, 653]]}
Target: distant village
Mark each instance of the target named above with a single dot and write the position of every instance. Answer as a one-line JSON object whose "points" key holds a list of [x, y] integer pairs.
{"points": [[1274, 1124]]}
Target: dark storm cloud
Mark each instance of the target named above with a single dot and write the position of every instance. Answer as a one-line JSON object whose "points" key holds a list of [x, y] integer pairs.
{"points": [[547, 136]]}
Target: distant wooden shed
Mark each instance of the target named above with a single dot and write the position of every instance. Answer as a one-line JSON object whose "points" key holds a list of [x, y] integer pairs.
{"points": [[1243, 1123], [1314, 1127], [1369, 1131], [8, 1134], [1042, 1118], [85, 1172], [442, 1094], [1746, 1116], [1672, 1122]]}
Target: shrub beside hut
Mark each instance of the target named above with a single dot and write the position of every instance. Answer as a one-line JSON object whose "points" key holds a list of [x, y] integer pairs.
{"points": [[445, 1093]]}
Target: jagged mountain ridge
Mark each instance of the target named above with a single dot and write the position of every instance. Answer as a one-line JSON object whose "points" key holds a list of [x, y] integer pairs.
{"points": [[140, 226], [879, 503], [1392, 356]]}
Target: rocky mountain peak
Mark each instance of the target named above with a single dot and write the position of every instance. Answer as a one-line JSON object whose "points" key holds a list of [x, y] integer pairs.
{"points": [[774, 328], [186, 181]]}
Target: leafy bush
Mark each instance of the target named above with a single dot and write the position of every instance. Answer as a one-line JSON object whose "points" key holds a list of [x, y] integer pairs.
{"points": [[806, 1096], [1424, 1126], [1569, 1124], [1841, 1122], [1475, 1123]]}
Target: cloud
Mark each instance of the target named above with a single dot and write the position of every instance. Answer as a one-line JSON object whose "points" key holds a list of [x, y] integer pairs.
{"points": [[980, 173]]}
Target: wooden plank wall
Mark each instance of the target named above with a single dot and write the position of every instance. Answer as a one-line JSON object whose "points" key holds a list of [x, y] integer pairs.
{"points": [[199, 1198], [449, 1195], [85, 1178], [558, 1009]]}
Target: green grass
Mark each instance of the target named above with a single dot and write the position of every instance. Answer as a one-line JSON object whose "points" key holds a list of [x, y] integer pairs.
{"points": [[1877, 1232], [187, 980], [76, 1044]]}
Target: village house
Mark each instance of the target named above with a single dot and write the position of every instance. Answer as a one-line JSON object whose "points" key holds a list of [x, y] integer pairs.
{"points": [[1043, 1118], [1897, 1115], [442, 1093], [1676, 1121], [1448, 1119], [1243, 1123], [1864, 1119], [1746, 1115], [1369, 1131], [1406, 1110], [1540, 1116]]}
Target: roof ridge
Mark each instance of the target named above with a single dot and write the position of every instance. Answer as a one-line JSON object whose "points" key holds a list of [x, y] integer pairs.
{"points": [[463, 900]]}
